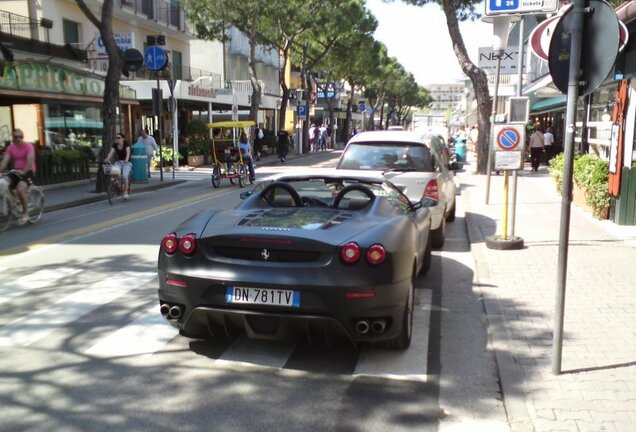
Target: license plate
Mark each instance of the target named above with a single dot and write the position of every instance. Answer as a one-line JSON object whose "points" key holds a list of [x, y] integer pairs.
{"points": [[263, 296]]}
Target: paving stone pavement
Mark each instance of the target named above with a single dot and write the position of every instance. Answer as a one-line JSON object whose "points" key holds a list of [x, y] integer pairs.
{"points": [[596, 390]]}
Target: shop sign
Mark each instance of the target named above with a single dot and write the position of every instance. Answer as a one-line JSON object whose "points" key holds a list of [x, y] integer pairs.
{"points": [[195, 90], [123, 40], [42, 77]]}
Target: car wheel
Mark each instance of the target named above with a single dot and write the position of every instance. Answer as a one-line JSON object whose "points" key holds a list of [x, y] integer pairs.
{"points": [[403, 341], [428, 257], [437, 236], [451, 214]]}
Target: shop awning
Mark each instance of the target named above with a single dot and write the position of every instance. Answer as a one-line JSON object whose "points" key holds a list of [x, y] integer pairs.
{"points": [[548, 104], [72, 122]]}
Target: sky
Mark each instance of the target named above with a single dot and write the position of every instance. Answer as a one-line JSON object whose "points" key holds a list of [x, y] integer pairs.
{"points": [[418, 37]]}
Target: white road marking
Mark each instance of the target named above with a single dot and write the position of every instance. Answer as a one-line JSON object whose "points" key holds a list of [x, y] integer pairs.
{"points": [[410, 364], [33, 281], [31, 328], [144, 336]]}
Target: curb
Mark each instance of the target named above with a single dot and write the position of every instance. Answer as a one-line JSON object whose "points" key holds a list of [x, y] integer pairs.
{"points": [[508, 371], [102, 196]]}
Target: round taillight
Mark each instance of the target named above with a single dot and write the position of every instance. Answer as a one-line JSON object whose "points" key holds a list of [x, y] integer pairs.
{"points": [[350, 253], [169, 243], [188, 244], [376, 254]]}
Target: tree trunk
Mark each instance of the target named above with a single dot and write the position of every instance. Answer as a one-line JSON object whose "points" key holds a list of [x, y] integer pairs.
{"points": [[256, 86], [479, 80], [283, 85]]}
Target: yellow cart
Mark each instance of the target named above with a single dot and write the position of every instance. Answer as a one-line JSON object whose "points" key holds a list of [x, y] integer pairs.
{"points": [[227, 159]]}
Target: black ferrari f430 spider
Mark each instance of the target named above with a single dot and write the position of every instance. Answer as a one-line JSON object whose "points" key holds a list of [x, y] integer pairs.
{"points": [[301, 253]]}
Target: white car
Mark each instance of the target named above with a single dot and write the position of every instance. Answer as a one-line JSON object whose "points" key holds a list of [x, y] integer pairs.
{"points": [[413, 163]]}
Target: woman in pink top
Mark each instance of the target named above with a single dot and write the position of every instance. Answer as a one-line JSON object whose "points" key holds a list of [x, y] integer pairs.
{"points": [[22, 157]]}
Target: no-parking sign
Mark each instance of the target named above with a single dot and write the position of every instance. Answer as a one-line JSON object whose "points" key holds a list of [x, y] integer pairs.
{"points": [[509, 146]]}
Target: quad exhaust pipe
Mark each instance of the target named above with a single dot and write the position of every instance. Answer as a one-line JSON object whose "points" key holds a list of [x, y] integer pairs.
{"points": [[170, 312], [362, 326], [165, 310], [175, 312], [378, 326]]}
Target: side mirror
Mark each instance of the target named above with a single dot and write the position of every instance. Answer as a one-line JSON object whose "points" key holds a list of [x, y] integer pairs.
{"points": [[245, 194]]}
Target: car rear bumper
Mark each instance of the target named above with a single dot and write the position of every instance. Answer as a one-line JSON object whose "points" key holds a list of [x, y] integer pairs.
{"points": [[203, 310]]}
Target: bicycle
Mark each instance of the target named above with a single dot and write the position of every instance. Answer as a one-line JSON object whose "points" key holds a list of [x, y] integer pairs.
{"points": [[11, 206], [112, 182]]}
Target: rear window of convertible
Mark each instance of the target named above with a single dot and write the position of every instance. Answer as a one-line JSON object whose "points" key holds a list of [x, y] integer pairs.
{"points": [[397, 156]]}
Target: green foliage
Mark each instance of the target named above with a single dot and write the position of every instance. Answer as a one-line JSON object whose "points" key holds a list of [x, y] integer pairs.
{"points": [[589, 173], [556, 170], [66, 155], [198, 141], [168, 155]]}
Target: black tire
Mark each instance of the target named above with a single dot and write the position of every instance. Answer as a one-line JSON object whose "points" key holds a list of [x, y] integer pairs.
{"points": [[428, 257], [110, 185], [403, 341], [36, 204], [450, 217], [216, 176], [5, 211], [242, 175], [438, 235]]}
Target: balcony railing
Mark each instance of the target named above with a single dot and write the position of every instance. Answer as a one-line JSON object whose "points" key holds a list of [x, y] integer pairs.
{"points": [[161, 11], [24, 27]]}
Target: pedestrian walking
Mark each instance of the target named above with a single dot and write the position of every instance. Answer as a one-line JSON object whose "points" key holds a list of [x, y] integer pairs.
{"points": [[282, 145], [151, 146], [259, 138], [536, 147], [548, 142]]}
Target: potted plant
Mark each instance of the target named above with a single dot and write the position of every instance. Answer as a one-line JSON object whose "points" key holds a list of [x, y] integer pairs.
{"points": [[197, 132]]}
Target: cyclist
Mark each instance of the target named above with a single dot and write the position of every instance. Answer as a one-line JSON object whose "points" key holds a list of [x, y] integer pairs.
{"points": [[21, 155], [120, 157]]}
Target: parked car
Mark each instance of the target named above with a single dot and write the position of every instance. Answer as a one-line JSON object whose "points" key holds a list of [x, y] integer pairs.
{"points": [[312, 252], [414, 163]]}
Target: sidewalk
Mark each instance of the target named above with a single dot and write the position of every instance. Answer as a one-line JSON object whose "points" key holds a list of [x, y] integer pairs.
{"points": [[67, 195], [596, 390]]}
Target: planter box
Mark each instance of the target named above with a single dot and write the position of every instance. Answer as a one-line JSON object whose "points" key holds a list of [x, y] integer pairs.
{"points": [[578, 196], [195, 161]]}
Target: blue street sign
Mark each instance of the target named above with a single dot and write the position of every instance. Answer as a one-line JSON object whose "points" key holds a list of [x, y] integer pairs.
{"points": [[518, 7], [361, 107], [503, 5], [155, 58], [302, 112]]}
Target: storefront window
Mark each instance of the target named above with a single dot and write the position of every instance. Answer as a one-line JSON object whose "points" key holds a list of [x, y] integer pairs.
{"points": [[72, 126]]}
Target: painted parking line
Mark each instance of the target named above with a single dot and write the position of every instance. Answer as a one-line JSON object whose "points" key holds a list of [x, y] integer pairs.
{"points": [[39, 324], [39, 279], [144, 336], [410, 364]]}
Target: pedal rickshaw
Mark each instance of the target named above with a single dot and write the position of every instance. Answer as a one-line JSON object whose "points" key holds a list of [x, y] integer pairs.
{"points": [[227, 160]]}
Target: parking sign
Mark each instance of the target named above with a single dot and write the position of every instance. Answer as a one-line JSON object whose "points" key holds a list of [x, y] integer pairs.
{"points": [[301, 110]]}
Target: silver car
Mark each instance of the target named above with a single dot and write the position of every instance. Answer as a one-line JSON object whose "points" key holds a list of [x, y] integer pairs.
{"points": [[413, 162]]}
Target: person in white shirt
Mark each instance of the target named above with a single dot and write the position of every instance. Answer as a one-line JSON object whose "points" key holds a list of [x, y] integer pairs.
{"points": [[548, 142], [151, 146], [536, 148]]}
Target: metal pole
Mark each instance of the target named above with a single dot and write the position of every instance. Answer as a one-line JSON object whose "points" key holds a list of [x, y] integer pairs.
{"points": [[160, 127], [513, 208], [578, 9], [492, 129]]}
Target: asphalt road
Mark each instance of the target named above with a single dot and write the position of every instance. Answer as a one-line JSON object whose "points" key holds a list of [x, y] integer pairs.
{"points": [[83, 346]]}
